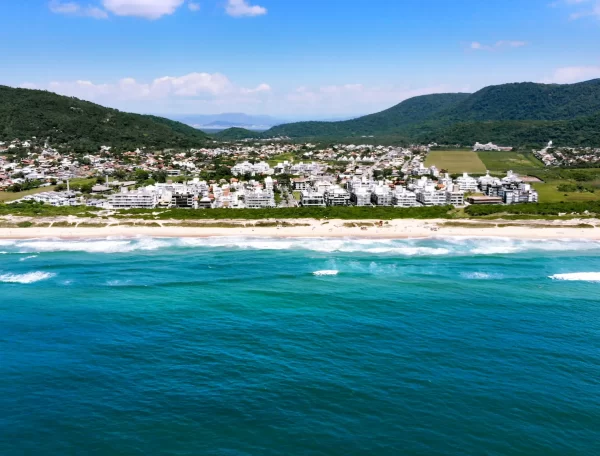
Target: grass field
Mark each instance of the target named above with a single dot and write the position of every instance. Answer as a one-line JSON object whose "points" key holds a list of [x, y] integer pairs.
{"points": [[549, 193], [10, 196], [521, 162], [456, 162], [273, 161]]}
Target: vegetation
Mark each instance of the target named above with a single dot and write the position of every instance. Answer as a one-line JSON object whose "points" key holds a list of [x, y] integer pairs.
{"points": [[510, 114], [537, 209], [85, 126], [390, 121], [456, 162], [236, 134], [520, 162], [344, 213]]}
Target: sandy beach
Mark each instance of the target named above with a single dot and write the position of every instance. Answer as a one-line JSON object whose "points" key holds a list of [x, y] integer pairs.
{"points": [[396, 229]]}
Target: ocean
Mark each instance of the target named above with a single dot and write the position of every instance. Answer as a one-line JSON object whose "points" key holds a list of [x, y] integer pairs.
{"points": [[247, 346]]}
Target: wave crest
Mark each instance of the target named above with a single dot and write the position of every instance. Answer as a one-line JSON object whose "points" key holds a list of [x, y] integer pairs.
{"points": [[331, 272], [30, 277], [578, 277]]}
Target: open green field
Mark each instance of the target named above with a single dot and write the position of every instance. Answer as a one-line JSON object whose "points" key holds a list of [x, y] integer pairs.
{"points": [[10, 196], [521, 162], [280, 159], [549, 193], [456, 162]]}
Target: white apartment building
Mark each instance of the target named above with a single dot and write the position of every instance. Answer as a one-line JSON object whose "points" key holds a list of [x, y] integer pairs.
{"points": [[336, 196], [455, 196], [311, 198], [146, 198], [382, 196], [361, 197], [467, 183], [259, 199], [404, 198], [430, 196]]}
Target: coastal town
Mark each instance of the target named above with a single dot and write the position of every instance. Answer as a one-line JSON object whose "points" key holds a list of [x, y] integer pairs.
{"points": [[250, 176]]}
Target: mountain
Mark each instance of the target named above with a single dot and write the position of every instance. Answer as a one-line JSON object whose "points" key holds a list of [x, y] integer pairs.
{"points": [[228, 120], [515, 114], [236, 134], [392, 120], [85, 126]]}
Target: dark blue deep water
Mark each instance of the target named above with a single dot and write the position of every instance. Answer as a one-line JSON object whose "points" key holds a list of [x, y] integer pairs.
{"points": [[235, 347]]}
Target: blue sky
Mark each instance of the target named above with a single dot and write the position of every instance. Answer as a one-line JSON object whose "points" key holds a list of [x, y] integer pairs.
{"points": [[291, 58]]}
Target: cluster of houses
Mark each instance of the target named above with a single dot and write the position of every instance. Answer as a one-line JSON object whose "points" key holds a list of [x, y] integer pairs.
{"points": [[568, 156]]}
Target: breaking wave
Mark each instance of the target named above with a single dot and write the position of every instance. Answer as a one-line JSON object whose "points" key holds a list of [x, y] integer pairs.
{"points": [[399, 247], [578, 276], [326, 273], [30, 277]]}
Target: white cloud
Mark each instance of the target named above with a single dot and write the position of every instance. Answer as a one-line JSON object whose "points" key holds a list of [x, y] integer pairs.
{"points": [[241, 8], [569, 75], [75, 9], [498, 45], [147, 9], [194, 92], [354, 98], [584, 8], [193, 6]]}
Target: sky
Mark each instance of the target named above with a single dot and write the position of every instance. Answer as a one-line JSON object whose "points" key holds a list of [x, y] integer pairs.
{"points": [[292, 59]]}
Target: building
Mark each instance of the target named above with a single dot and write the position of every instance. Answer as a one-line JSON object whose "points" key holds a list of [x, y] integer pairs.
{"points": [[300, 184], [430, 196], [382, 196], [336, 196], [311, 198], [361, 197], [467, 183], [455, 196], [404, 198], [138, 199], [484, 200], [258, 199]]}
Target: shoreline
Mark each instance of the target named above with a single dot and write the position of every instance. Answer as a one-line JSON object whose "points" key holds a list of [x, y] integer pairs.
{"points": [[395, 229]]}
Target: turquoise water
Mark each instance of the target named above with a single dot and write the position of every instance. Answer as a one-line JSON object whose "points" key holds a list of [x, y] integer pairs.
{"points": [[235, 347]]}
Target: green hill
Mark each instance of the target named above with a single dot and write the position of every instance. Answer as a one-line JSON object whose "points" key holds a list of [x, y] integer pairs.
{"points": [[516, 114], [391, 121], [84, 126], [236, 134]]}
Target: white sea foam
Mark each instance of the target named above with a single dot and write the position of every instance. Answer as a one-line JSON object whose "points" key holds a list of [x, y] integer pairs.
{"points": [[326, 273], [28, 257], [30, 277], [480, 276], [108, 245], [578, 276], [386, 247]]}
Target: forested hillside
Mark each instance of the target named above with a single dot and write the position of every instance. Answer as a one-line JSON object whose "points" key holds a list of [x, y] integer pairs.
{"points": [[513, 114], [26, 113]]}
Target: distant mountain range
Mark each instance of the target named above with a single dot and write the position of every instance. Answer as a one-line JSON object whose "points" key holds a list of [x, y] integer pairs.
{"points": [[512, 114], [229, 120]]}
